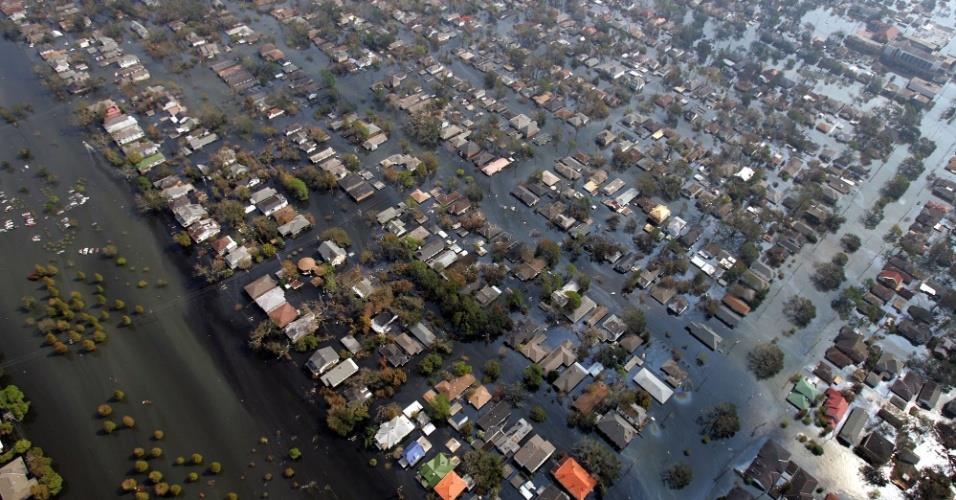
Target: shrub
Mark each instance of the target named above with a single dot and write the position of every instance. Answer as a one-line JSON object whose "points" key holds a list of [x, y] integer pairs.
{"points": [[295, 453], [104, 410]]}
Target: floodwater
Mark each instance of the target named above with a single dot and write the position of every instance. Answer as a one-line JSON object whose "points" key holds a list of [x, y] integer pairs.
{"points": [[182, 371], [211, 396]]}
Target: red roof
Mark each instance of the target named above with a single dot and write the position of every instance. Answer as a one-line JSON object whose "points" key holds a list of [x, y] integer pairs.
{"points": [[283, 315], [451, 486], [836, 407], [577, 481], [891, 278]]}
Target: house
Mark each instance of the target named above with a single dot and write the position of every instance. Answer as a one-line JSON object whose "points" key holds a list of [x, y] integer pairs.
{"points": [[340, 373], [574, 478], [301, 327], [592, 396], [14, 483], [321, 360], [928, 396], [434, 470], [283, 315], [616, 429], [570, 378], [451, 486], [260, 286], [332, 253], [705, 335], [653, 385], [850, 432], [495, 417], [391, 433], [535, 452], [769, 465], [422, 333], [876, 449], [835, 407], [802, 395]]}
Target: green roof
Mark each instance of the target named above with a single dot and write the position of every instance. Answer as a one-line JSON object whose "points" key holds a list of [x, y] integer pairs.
{"points": [[150, 161], [804, 388], [435, 469], [798, 400]]}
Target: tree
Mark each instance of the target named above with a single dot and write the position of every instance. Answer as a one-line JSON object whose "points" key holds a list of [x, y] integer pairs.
{"points": [[549, 251], [600, 461], [721, 422], [424, 128], [216, 467], [337, 234], [295, 186], [439, 408], [431, 363], [850, 242], [828, 276], [933, 485], [487, 469], [678, 477], [532, 376], [538, 414], [800, 310], [343, 418], [491, 371], [765, 360], [12, 400], [634, 321]]}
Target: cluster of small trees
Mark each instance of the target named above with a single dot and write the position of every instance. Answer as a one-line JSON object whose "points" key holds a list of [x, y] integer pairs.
{"points": [[68, 319]]}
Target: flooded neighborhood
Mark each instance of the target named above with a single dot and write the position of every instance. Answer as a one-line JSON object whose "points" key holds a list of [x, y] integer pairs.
{"points": [[496, 249]]}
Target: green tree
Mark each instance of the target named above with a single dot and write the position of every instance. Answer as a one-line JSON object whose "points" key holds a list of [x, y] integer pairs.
{"points": [[532, 376], [487, 469], [678, 477], [765, 360], [491, 371], [439, 408], [721, 422], [13, 401], [600, 461], [431, 363], [343, 418]]}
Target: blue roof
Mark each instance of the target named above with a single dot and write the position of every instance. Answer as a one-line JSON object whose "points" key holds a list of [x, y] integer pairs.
{"points": [[414, 453]]}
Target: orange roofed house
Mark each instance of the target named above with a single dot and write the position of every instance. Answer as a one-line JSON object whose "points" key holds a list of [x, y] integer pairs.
{"points": [[451, 486], [573, 478]]}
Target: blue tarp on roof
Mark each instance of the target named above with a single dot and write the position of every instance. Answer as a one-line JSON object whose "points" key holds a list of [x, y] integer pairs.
{"points": [[414, 453]]}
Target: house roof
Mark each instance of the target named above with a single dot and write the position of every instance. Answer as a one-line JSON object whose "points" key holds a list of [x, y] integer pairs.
{"points": [[770, 463], [283, 314], [391, 433], [534, 453], [14, 484], [653, 385], [616, 429], [454, 388], [260, 286], [434, 470], [479, 397], [451, 486], [574, 478]]}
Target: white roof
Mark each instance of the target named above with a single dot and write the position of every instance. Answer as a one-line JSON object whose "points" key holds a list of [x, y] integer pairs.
{"points": [[391, 433], [342, 371], [653, 385], [271, 299]]}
